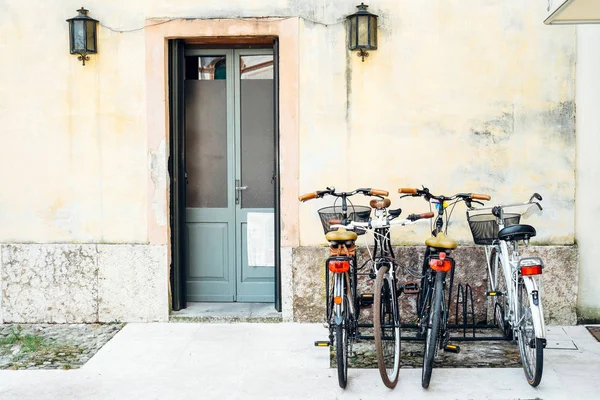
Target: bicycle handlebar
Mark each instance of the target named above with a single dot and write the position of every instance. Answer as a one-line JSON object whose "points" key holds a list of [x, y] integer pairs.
{"points": [[332, 192], [384, 223], [428, 196], [535, 196]]}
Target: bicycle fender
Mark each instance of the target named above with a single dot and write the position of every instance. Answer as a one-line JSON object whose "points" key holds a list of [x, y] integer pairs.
{"points": [[537, 312], [338, 319]]}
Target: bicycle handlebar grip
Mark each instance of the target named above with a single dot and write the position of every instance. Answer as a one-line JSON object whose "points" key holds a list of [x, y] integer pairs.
{"points": [[335, 221], [476, 196], [407, 190], [308, 196], [426, 215], [378, 192]]}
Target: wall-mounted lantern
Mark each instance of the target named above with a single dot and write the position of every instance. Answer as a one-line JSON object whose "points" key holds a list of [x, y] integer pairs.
{"points": [[82, 35], [362, 31]]}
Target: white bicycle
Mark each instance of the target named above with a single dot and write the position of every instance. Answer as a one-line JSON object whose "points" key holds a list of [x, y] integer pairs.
{"points": [[514, 282]]}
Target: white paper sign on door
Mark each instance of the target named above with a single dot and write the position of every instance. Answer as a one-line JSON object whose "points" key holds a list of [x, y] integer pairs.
{"points": [[260, 239]]}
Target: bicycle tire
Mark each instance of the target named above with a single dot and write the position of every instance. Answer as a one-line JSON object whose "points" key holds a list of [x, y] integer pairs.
{"points": [[433, 330], [386, 323], [532, 357], [341, 348], [499, 303]]}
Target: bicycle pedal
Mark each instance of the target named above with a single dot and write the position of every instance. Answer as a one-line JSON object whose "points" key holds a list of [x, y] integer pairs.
{"points": [[493, 294], [452, 348], [322, 343], [411, 288], [366, 299]]}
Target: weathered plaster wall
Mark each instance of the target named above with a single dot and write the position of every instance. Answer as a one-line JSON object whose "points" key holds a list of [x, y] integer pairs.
{"points": [[80, 160], [460, 96], [588, 169], [559, 288]]}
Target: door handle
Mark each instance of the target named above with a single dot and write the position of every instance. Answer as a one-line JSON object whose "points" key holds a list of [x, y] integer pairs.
{"points": [[238, 190]]}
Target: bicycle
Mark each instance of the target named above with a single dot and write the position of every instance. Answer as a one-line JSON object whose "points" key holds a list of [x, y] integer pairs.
{"points": [[341, 297], [517, 306], [432, 311], [346, 308], [386, 313]]}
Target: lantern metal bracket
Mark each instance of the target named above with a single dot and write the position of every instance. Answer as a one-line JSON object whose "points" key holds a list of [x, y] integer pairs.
{"points": [[83, 58], [362, 53]]}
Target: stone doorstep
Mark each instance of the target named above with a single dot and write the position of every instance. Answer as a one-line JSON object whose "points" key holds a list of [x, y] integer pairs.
{"points": [[224, 319]]}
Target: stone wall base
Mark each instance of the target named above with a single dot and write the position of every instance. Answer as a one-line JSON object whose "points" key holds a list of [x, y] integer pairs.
{"points": [[559, 285], [75, 283]]}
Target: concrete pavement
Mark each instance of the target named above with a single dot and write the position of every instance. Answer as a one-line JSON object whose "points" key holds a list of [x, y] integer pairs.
{"points": [[279, 361]]}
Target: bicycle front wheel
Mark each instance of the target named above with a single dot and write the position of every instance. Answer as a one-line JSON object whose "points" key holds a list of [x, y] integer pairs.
{"points": [[530, 347], [433, 330], [386, 322]]}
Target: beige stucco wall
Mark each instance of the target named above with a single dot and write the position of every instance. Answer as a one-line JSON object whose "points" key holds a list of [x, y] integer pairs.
{"points": [[461, 96], [473, 95], [588, 169], [483, 78]]}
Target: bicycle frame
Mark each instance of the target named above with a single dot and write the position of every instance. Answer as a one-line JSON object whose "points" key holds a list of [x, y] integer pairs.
{"points": [[510, 262]]}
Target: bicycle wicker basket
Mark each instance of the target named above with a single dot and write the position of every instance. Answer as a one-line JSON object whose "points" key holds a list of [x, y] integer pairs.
{"points": [[334, 213], [484, 227]]}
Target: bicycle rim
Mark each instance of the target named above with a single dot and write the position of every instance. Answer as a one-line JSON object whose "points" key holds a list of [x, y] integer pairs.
{"points": [[386, 322], [530, 347], [432, 332], [499, 302]]}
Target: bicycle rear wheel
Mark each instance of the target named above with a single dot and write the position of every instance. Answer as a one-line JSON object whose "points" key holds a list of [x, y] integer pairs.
{"points": [[499, 302], [433, 330], [530, 347], [341, 323], [341, 349], [386, 322]]}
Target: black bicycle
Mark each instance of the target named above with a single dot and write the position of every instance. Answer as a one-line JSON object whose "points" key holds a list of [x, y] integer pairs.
{"points": [[432, 307], [342, 301], [342, 227]]}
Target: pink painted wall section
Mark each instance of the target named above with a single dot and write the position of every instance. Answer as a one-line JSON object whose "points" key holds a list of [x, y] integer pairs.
{"points": [[158, 119]]}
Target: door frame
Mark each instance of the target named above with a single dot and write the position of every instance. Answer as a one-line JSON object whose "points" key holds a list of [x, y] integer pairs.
{"points": [[177, 52]]}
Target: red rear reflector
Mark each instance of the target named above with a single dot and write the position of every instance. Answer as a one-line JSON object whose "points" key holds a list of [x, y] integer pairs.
{"points": [[442, 265], [337, 266], [531, 270]]}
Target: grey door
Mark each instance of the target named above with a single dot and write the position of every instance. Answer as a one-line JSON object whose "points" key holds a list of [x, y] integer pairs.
{"points": [[229, 112]]}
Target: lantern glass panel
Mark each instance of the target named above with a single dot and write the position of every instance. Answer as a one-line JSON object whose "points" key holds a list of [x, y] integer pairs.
{"points": [[78, 36], [353, 33], [90, 34], [373, 29], [363, 31]]}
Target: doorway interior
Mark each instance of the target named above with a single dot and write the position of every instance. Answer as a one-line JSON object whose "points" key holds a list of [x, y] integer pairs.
{"points": [[224, 174]]}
